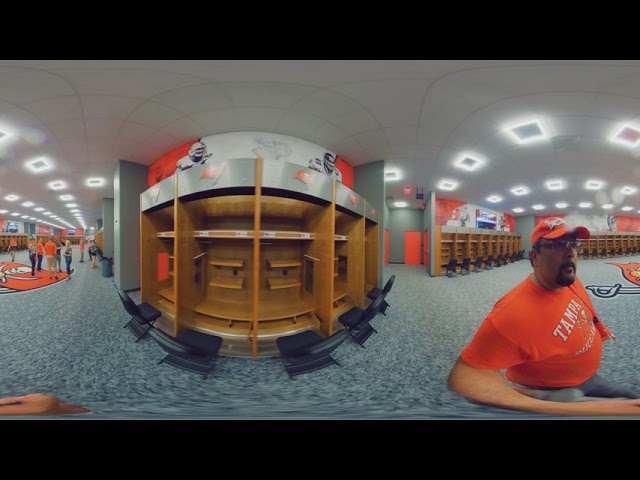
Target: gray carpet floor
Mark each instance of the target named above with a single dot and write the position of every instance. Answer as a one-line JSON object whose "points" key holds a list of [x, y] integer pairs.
{"points": [[68, 340]]}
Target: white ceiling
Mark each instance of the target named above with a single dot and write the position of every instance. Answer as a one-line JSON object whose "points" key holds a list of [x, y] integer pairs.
{"points": [[417, 115]]}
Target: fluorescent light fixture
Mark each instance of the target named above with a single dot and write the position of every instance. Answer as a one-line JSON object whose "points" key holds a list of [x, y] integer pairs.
{"points": [[4, 211], [494, 199], [76, 214], [400, 204], [626, 209], [526, 132], [628, 190], [562, 205], [15, 214], [4, 135], [32, 218], [584, 205], [607, 206], [538, 207], [593, 185], [627, 135], [447, 185], [71, 205], [555, 184], [24, 216], [391, 175], [28, 204], [38, 209], [468, 161], [38, 165], [11, 197], [73, 210], [57, 185], [47, 213], [518, 210], [95, 182], [520, 190], [66, 198]]}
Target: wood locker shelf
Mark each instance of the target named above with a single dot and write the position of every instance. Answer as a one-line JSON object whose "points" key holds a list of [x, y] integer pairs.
{"points": [[282, 282], [283, 263], [228, 282]]}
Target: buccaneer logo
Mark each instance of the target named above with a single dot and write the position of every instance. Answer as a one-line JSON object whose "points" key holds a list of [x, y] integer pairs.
{"points": [[16, 278], [630, 272]]}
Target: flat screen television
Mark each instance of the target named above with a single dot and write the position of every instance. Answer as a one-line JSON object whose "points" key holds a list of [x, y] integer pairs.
{"points": [[71, 232], [485, 219]]}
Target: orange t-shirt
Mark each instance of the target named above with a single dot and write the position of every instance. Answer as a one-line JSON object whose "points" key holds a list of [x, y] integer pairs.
{"points": [[13, 243], [81, 244], [40, 248], [542, 338], [50, 248]]}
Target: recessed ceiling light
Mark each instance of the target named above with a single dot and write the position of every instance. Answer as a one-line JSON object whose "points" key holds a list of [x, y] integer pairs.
{"points": [[607, 205], [76, 214], [494, 198], [4, 211], [12, 197], [73, 210], [627, 135], [4, 135], [538, 207], [71, 205], [95, 182], [66, 198], [24, 216], [626, 209], [28, 204], [38, 209], [628, 190], [561, 205], [520, 190], [391, 175], [38, 165], [400, 204], [32, 218], [526, 132], [468, 162], [57, 185], [15, 214], [447, 185], [555, 184], [584, 205], [518, 210], [593, 185]]}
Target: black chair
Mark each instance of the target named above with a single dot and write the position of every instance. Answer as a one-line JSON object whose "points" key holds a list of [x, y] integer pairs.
{"points": [[142, 315], [478, 264], [499, 260], [594, 253], [190, 350], [308, 351], [357, 321], [376, 292], [452, 267], [489, 263], [464, 267]]}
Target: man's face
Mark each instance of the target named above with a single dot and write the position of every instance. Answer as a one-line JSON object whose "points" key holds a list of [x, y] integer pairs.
{"points": [[555, 265], [329, 162], [197, 151]]}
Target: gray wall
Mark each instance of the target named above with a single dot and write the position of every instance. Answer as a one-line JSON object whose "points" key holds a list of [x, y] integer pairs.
{"points": [[130, 180], [401, 220], [368, 181], [107, 222], [524, 226]]}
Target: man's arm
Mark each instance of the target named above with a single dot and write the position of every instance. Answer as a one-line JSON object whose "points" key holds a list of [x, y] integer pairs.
{"points": [[489, 387]]}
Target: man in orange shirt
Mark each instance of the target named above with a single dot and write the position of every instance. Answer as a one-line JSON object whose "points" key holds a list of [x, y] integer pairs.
{"points": [[52, 262], [82, 250], [13, 248], [547, 335]]}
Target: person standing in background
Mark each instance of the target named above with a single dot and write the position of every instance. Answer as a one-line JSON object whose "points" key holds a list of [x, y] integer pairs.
{"points": [[58, 243], [50, 250], [13, 247], [40, 250], [82, 250], [33, 256], [67, 258], [93, 253]]}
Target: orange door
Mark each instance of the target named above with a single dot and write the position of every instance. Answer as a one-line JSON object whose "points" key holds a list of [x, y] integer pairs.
{"points": [[412, 248], [386, 246], [426, 248]]}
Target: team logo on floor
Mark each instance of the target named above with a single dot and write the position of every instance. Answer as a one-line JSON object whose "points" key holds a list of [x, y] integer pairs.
{"points": [[630, 272], [16, 278]]}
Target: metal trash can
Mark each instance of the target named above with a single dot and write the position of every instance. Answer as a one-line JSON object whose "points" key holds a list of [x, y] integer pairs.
{"points": [[107, 271]]}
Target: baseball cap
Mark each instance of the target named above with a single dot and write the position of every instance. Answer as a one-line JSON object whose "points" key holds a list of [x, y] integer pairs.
{"points": [[556, 227]]}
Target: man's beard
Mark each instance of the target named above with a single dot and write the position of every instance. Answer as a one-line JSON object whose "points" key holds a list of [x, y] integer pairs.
{"points": [[566, 280]]}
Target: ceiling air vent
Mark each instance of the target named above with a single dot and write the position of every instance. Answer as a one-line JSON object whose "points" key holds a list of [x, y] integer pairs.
{"points": [[565, 142]]}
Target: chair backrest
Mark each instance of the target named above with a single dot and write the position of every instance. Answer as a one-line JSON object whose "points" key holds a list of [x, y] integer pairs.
{"points": [[129, 305], [388, 285], [170, 344], [327, 345], [466, 261], [371, 311], [453, 263]]}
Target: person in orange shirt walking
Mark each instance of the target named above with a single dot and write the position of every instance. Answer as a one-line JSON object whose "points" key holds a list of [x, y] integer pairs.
{"points": [[546, 334], [13, 248], [81, 250], [33, 256], [52, 262]]}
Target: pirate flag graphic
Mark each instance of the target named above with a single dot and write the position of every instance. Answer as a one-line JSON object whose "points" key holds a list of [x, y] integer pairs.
{"points": [[630, 272]]}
